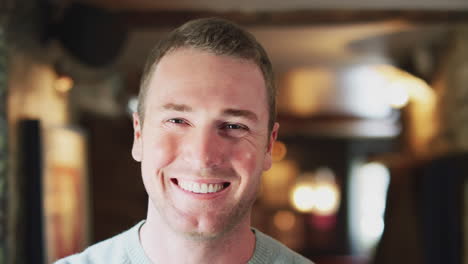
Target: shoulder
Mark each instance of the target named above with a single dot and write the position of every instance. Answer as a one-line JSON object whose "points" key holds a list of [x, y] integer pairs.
{"points": [[112, 250], [102, 252], [269, 250]]}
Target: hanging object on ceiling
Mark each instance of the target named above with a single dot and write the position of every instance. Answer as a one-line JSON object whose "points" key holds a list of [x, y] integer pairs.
{"points": [[91, 35]]}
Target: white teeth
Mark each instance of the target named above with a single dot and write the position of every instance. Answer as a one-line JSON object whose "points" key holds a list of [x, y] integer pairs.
{"points": [[200, 187], [195, 187]]}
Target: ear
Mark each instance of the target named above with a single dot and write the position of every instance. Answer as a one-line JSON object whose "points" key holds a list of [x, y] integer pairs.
{"points": [[267, 162], [137, 149]]}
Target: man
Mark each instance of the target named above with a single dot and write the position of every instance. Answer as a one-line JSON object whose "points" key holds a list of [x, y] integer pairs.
{"points": [[203, 134]]}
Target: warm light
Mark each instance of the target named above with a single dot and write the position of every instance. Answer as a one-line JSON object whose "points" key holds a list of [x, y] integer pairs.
{"points": [[308, 90], [63, 84], [403, 86], [284, 220], [277, 182], [423, 121], [398, 94], [303, 198], [279, 151], [326, 192], [65, 191], [327, 199], [422, 92], [316, 193]]}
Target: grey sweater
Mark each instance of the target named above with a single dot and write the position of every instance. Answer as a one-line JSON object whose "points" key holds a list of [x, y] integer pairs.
{"points": [[125, 248]]}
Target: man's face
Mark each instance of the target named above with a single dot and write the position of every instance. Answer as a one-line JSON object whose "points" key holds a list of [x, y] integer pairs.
{"points": [[204, 142]]}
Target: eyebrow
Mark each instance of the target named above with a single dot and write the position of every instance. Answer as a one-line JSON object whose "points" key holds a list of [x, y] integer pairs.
{"points": [[241, 113], [177, 107], [227, 112]]}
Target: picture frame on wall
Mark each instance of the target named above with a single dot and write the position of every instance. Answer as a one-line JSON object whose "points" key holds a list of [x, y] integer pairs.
{"points": [[66, 202], [54, 166]]}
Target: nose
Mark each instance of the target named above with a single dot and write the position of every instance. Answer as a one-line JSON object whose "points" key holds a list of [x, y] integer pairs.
{"points": [[205, 148]]}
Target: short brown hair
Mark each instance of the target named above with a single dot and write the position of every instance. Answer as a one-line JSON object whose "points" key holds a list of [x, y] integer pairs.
{"points": [[220, 37]]}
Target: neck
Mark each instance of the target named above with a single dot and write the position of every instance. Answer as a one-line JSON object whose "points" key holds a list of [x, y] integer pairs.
{"points": [[164, 245]]}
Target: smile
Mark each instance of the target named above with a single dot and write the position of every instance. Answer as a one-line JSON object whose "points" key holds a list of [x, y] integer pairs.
{"points": [[196, 187]]}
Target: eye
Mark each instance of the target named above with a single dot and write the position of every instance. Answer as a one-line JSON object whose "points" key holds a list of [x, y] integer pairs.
{"points": [[234, 126], [234, 130], [177, 122]]}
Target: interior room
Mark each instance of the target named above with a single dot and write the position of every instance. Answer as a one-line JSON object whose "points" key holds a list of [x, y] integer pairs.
{"points": [[370, 165]]}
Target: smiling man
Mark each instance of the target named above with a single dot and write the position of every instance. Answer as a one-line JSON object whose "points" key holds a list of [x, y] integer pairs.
{"points": [[203, 134]]}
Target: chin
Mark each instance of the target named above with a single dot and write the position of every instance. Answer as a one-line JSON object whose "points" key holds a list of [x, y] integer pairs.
{"points": [[208, 227], [205, 230], [202, 236]]}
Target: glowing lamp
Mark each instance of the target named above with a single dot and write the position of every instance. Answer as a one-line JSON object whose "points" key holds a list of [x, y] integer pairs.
{"points": [[316, 193]]}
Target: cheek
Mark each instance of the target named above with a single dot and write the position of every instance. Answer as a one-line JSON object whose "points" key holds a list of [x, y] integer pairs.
{"points": [[246, 162], [158, 152]]}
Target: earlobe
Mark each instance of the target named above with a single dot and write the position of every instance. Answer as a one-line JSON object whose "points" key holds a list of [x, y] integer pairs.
{"points": [[268, 155], [137, 144]]}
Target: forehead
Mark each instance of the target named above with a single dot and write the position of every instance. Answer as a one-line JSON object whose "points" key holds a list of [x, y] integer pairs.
{"points": [[195, 60], [195, 74]]}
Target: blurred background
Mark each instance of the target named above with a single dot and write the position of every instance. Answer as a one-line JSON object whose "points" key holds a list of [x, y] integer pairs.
{"points": [[372, 158]]}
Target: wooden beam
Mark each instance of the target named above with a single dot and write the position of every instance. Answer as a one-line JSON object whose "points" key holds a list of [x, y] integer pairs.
{"points": [[170, 18]]}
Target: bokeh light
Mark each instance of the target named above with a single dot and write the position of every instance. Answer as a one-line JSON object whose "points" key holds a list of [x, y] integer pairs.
{"points": [[284, 220], [316, 193], [63, 84], [303, 198]]}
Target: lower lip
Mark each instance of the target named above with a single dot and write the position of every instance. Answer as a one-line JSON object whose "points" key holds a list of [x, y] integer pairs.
{"points": [[202, 196]]}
